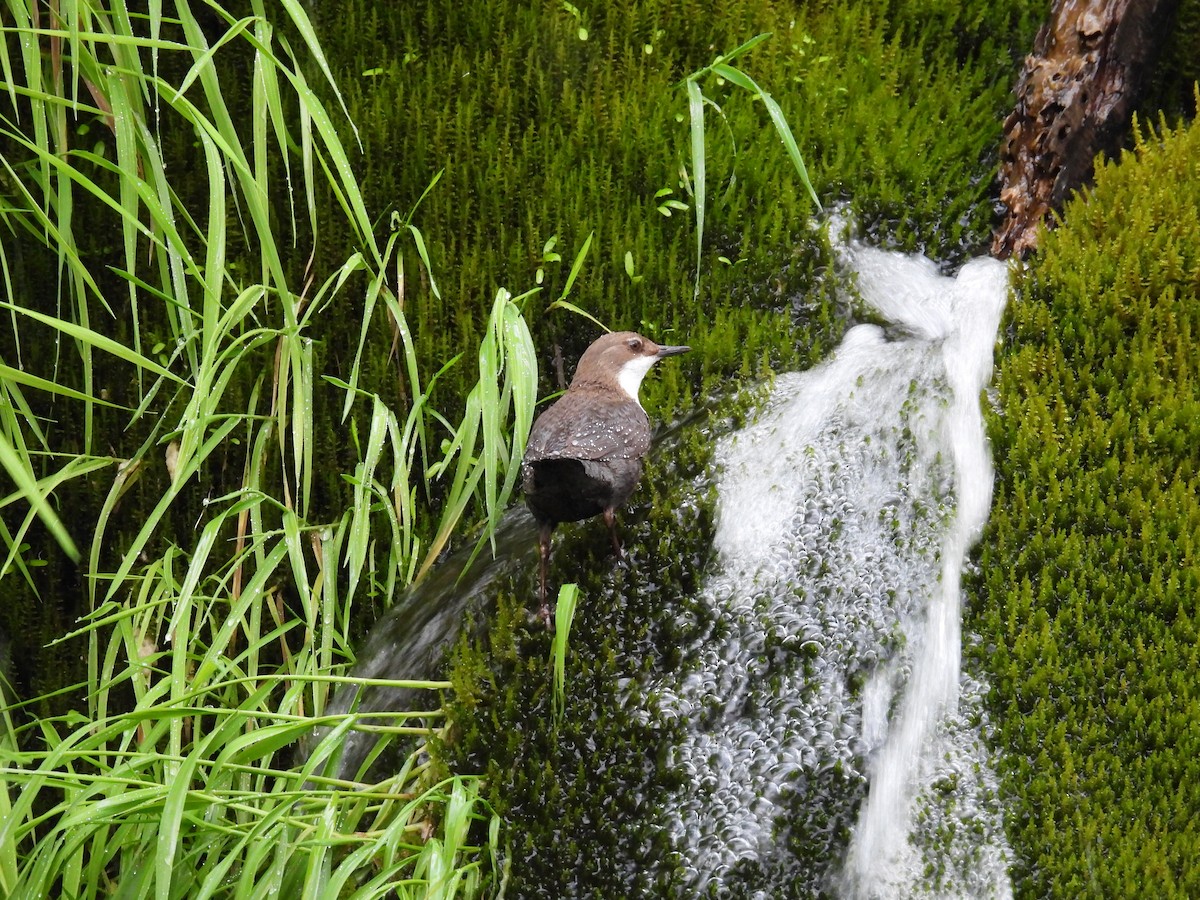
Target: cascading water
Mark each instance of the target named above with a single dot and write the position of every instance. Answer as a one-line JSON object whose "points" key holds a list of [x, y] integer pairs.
{"points": [[832, 744]]}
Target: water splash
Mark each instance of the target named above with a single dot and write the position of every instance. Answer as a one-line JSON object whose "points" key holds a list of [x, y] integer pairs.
{"points": [[411, 640], [828, 670]]}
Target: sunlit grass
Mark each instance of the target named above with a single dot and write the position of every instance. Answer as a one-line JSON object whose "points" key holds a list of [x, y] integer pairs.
{"points": [[110, 803], [211, 652], [564, 614]]}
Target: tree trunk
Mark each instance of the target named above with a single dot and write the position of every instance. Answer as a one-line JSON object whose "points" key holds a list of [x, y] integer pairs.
{"points": [[1075, 97]]}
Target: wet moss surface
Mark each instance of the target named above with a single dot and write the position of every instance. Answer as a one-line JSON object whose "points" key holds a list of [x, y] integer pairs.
{"points": [[538, 132], [583, 795]]}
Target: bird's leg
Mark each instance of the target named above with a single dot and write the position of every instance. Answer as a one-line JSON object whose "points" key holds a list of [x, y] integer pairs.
{"points": [[544, 532], [610, 519]]}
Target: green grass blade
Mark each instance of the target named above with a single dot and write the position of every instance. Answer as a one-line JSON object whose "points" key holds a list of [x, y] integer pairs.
{"points": [[91, 338], [696, 117], [576, 265], [572, 308], [736, 76], [27, 485], [564, 615]]}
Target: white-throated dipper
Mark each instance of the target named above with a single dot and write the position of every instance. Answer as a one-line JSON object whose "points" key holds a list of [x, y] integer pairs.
{"points": [[585, 452]]}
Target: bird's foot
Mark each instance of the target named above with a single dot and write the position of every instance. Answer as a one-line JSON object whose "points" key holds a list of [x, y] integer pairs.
{"points": [[544, 615]]}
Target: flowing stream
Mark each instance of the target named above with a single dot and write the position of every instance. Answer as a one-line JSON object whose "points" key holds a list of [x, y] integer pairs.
{"points": [[833, 744]]}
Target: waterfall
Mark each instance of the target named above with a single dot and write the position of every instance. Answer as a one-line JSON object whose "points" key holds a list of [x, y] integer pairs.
{"points": [[831, 742]]}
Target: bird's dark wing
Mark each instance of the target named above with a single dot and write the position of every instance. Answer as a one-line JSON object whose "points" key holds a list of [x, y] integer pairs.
{"points": [[565, 490], [593, 429]]}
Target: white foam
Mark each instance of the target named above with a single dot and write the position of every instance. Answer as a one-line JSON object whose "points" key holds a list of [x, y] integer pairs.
{"points": [[844, 515]]}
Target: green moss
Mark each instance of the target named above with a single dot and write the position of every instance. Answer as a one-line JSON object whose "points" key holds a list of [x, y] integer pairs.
{"points": [[1090, 567], [540, 133]]}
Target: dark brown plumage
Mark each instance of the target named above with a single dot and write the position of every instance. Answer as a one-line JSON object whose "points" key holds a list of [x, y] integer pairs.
{"points": [[584, 456]]}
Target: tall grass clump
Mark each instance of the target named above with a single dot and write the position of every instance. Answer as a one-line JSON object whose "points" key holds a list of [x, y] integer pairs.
{"points": [[1090, 569], [722, 69], [213, 463]]}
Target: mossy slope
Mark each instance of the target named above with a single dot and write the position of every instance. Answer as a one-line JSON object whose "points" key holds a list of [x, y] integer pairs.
{"points": [[1091, 562]]}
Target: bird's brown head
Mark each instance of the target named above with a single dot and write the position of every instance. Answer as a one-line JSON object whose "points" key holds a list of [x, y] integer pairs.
{"points": [[619, 361]]}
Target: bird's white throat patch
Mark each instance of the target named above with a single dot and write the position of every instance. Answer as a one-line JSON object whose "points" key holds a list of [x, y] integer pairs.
{"points": [[631, 375]]}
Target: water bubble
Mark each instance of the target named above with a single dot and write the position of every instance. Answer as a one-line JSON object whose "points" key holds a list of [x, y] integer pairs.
{"points": [[835, 512]]}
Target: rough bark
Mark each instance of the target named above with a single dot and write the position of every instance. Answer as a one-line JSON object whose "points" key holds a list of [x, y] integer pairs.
{"points": [[1075, 98]]}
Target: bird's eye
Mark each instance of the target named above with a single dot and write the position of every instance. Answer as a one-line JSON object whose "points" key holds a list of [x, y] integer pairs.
{"points": [[634, 344]]}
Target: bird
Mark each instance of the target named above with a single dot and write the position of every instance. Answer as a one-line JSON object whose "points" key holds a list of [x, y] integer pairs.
{"points": [[584, 454]]}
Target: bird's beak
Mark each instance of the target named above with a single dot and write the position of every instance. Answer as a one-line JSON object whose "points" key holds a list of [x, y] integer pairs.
{"points": [[671, 351]]}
